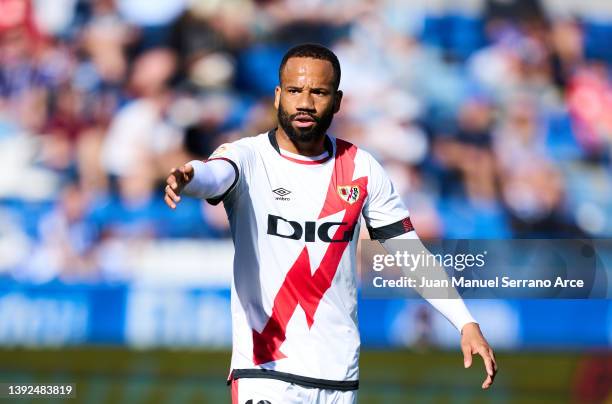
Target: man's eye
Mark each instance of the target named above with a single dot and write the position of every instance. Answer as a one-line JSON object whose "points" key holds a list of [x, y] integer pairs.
{"points": [[293, 90]]}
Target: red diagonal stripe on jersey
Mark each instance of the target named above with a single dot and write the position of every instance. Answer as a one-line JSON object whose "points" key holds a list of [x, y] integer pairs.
{"points": [[300, 286], [344, 168]]}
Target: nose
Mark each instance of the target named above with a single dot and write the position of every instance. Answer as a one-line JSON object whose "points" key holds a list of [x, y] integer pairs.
{"points": [[305, 102]]}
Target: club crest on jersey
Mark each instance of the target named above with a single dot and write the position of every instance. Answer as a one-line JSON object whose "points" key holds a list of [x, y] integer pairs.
{"points": [[349, 193]]}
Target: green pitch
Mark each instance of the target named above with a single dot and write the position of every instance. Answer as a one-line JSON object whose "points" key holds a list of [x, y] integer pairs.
{"points": [[117, 375]]}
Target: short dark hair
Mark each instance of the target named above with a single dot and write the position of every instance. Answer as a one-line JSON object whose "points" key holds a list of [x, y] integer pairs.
{"points": [[314, 51]]}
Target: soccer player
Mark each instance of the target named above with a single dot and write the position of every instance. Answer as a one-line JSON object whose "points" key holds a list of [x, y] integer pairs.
{"points": [[294, 197]]}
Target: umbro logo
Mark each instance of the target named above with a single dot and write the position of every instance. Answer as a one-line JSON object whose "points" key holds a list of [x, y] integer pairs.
{"points": [[282, 193]]}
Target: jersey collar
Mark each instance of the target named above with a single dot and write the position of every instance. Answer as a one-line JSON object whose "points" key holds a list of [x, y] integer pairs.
{"points": [[329, 147]]}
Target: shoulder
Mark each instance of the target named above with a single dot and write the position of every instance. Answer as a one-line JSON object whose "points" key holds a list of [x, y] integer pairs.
{"points": [[247, 142], [251, 141], [363, 159], [238, 148]]}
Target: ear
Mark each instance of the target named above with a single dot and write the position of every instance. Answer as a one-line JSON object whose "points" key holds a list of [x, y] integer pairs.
{"points": [[277, 94], [337, 100]]}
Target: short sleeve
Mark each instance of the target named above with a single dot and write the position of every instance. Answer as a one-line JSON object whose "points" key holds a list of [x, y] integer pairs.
{"points": [[238, 154], [385, 214]]}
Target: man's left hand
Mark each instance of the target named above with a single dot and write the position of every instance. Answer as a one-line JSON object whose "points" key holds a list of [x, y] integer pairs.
{"points": [[473, 342]]}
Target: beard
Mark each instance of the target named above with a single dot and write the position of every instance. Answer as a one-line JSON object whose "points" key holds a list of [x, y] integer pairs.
{"points": [[304, 135]]}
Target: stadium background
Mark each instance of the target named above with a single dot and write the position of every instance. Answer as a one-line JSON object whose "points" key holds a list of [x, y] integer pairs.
{"points": [[493, 118]]}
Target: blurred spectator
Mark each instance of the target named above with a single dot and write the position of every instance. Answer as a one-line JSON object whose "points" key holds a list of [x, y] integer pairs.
{"points": [[139, 131], [469, 153], [567, 53], [154, 19], [590, 102], [532, 187], [67, 240]]}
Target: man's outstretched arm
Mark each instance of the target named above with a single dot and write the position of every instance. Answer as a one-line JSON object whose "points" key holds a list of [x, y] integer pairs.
{"points": [[454, 309], [388, 221], [200, 180]]}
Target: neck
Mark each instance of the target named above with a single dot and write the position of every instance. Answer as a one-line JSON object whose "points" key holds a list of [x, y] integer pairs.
{"points": [[309, 149]]}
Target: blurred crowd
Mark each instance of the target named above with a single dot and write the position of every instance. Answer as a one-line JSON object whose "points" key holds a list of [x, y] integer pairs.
{"points": [[493, 118]]}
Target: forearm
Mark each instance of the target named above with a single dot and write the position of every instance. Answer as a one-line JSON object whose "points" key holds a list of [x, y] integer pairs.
{"points": [[210, 179], [450, 306], [454, 310]]}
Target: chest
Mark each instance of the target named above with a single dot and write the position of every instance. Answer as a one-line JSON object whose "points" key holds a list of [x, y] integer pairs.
{"points": [[290, 189]]}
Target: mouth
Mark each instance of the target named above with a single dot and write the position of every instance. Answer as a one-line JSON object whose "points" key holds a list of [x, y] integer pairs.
{"points": [[304, 121]]}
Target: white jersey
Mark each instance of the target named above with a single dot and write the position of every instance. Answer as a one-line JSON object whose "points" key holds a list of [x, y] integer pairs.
{"points": [[295, 225]]}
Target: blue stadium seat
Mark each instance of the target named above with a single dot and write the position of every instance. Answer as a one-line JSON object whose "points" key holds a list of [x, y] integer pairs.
{"points": [[560, 138], [597, 37], [463, 219], [257, 69]]}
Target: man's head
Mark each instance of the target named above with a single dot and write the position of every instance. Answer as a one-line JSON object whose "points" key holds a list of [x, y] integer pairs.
{"points": [[308, 95]]}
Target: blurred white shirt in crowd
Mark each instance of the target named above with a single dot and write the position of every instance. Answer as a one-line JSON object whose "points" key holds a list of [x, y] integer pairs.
{"points": [[150, 12]]}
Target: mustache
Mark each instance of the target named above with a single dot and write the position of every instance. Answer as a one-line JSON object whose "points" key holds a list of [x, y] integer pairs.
{"points": [[304, 114]]}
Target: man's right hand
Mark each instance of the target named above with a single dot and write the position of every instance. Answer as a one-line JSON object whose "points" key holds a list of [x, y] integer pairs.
{"points": [[176, 182]]}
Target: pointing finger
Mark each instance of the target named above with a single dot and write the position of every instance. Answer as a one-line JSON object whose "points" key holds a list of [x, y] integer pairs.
{"points": [[174, 177], [172, 194], [467, 356], [169, 202]]}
